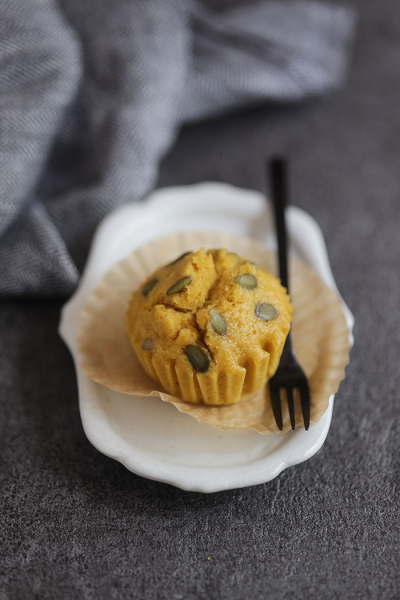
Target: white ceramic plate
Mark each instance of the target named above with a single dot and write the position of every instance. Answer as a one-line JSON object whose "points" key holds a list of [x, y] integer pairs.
{"points": [[148, 436]]}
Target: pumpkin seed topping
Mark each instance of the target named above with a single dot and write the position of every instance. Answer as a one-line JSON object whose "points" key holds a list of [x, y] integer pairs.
{"points": [[218, 322], [180, 285], [265, 311], [247, 281], [184, 255], [197, 358], [149, 286], [147, 345]]}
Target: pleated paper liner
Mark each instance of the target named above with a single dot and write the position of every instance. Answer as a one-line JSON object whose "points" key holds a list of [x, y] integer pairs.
{"points": [[320, 334]]}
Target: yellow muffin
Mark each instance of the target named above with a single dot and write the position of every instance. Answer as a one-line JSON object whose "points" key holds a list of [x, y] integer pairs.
{"points": [[210, 327]]}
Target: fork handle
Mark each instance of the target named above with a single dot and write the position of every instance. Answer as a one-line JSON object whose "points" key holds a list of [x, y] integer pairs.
{"points": [[278, 179]]}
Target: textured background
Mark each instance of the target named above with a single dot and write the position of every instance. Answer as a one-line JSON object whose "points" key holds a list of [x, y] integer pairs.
{"points": [[78, 525]]}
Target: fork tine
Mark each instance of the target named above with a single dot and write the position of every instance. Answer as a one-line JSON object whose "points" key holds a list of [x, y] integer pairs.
{"points": [[305, 402], [290, 401], [276, 406]]}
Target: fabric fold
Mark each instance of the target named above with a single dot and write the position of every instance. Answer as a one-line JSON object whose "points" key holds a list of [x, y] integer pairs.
{"points": [[92, 95]]}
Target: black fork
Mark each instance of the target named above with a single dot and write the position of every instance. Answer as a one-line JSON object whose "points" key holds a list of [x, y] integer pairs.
{"points": [[289, 375]]}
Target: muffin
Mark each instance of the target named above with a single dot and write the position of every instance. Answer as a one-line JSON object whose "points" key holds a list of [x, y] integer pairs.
{"points": [[210, 326]]}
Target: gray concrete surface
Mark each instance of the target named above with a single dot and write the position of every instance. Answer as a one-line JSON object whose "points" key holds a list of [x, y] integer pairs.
{"points": [[76, 524]]}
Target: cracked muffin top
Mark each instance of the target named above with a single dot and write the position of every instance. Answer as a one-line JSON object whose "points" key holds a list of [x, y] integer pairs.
{"points": [[210, 326]]}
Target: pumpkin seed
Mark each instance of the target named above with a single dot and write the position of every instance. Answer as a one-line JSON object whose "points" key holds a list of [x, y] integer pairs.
{"points": [[247, 281], [184, 255], [197, 358], [149, 286], [147, 345], [218, 322], [180, 285], [265, 311]]}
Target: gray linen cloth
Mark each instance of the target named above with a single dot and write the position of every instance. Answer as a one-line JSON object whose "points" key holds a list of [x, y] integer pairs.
{"points": [[93, 92]]}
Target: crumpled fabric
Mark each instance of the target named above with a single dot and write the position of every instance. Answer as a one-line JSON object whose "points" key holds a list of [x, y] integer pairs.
{"points": [[93, 93]]}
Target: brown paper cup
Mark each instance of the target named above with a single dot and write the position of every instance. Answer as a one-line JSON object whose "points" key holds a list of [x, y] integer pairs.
{"points": [[320, 334]]}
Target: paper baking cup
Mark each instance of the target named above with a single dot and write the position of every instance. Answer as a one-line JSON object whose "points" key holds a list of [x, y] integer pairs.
{"points": [[320, 334]]}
